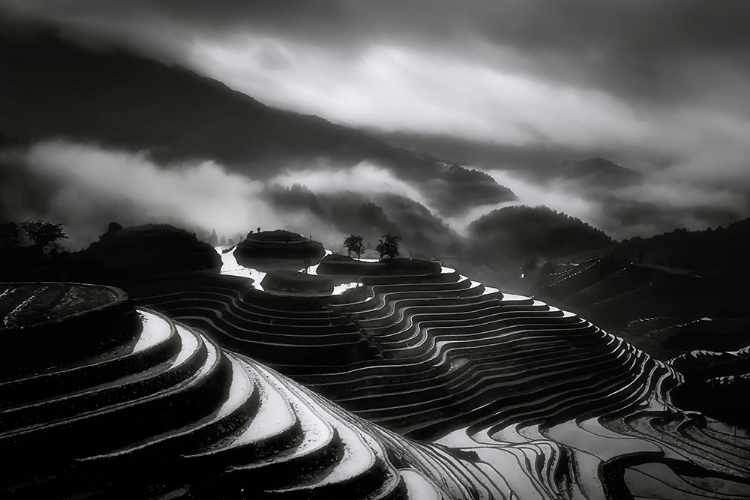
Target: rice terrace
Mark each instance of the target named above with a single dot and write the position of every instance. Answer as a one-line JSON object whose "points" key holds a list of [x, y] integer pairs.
{"points": [[347, 249], [417, 383]]}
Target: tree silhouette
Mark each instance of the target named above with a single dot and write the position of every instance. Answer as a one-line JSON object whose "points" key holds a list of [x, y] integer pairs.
{"points": [[388, 246], [354, 243], [44, 234]]}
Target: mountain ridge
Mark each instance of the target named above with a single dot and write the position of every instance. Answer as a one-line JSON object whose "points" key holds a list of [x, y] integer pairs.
{"points": [[121, 100]]}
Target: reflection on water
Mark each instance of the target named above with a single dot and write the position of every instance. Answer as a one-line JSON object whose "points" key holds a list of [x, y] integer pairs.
{"points": [[339, 289], [314, 269], [231, 267]]}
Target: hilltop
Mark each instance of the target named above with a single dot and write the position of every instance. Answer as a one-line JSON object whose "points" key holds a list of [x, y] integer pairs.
{"points": [[523, 232], [597, 172]]}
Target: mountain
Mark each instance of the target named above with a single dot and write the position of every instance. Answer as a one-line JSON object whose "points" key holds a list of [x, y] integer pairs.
{"points": [[715, 251], [596, 172], [541, 156], [371, 216], [506, 247], [55, 88], [523, 232], [459, 187], [52, 88], [671, 293]]}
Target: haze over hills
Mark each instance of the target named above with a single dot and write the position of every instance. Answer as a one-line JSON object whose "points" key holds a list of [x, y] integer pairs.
{"points": [[157, 126], [116, 100], [113, 98], [374, 250], [624, 191], [422, 231], [169, 119], [596, 172]]}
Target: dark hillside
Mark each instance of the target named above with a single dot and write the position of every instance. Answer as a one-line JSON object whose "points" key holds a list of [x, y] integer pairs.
{"points": [[668, 294], [524, 232], [119, 100]]}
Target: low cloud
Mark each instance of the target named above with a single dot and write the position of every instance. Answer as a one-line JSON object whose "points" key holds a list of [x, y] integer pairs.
{"points": [[516, 75], [662, 202], [557, 197], [86, 187], [364, 177], [560, 196]]}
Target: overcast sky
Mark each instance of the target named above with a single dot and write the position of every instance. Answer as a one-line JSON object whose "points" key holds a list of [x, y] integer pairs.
{"points": [[667, 78]]}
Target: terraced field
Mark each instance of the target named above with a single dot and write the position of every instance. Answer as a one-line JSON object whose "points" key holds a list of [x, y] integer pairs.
{"points": [[664, 311], [420, 386]]}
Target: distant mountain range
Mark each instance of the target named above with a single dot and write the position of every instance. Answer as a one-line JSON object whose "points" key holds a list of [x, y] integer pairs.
{"points": [[421, 231], [540, 160], [596, 172], [54, 88]]}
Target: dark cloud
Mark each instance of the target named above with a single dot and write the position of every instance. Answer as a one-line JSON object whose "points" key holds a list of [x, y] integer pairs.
{"points": [[640, 53], [656, 86], [667, 50]]}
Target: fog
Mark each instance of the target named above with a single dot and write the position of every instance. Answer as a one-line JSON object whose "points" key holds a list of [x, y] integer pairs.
{"points": [[86, 187], [365, 178], [524, 75], [662, 202]]}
